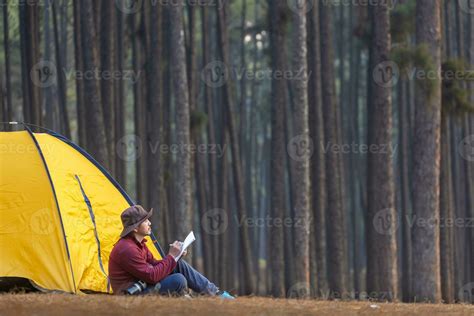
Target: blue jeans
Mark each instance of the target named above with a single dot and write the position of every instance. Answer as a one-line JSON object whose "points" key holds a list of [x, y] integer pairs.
{"points": [[182, 277]]}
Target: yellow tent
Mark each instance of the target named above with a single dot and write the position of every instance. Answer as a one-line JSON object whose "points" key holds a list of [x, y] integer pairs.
{"points": [[59, 213]]}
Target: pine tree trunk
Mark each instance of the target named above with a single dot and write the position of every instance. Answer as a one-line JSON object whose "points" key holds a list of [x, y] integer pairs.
{"points": [[404, 158], [6, 46], [119, 106], [318, 172], [337, 235], [95, 133], [245, 248], [107, 63], [62, 84], [279, 20], [446, 207], [79, 63], [426, 171], [302, 156], [382, 271], [211, 139], [33, 74], [140, 115], [181, 96], [155, 123]]}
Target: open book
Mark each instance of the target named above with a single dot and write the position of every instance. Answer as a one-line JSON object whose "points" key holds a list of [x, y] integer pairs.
{"points": [[184, 245]]}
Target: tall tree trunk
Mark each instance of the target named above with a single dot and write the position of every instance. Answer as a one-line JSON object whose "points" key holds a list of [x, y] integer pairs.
{"points": [[119, 106], [278, 23], [50, 120], [107, 64], [447, 212], [154, 124], [95, 133], [6, 47], [245, 249], [404, 158], [337, 235], [140, 115], [211, 139], [382, 274], [79, 64], [426, 171], [181, 95], [34, 74], [318, 171], [300, 145], [61, 78]]}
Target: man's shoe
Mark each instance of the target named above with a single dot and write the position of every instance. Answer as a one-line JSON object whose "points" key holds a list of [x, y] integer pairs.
{"points": [[225, 295]]}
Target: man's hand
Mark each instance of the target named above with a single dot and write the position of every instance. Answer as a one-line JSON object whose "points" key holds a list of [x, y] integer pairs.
{"points": [[175, 248]]}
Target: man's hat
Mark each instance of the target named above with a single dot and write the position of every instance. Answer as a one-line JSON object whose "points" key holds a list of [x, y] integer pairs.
{"points": [[132, 217]]}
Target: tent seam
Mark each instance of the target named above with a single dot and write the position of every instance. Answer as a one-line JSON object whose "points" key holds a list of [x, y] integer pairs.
{"points": [[56, 201]]}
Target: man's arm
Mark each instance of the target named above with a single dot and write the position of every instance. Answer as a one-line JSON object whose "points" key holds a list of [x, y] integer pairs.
{"points": [[137, 266]]}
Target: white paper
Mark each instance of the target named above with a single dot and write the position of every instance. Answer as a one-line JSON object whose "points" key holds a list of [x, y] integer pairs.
{"points": [[188, 241]]}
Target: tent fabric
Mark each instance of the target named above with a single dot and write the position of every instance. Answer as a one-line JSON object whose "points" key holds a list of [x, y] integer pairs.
{"points": [[57, 208]]}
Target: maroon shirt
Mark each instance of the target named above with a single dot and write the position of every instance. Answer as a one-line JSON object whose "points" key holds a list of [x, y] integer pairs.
{"points": [[131, 261]]}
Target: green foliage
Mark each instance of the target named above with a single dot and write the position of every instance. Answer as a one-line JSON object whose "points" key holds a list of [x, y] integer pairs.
{"points": [[423, 61], [419, 57], [403, 21], [198, 120], [403, 57], [455, 97]]}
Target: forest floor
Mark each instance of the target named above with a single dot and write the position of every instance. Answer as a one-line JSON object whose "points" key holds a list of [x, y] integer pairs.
{"points": [[65, 304]]}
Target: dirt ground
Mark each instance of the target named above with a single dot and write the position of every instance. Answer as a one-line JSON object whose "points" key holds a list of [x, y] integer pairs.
{"points": [[65, 304]]}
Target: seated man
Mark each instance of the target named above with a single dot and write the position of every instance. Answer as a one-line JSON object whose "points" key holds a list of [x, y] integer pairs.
{"points": [[131, 261]]}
